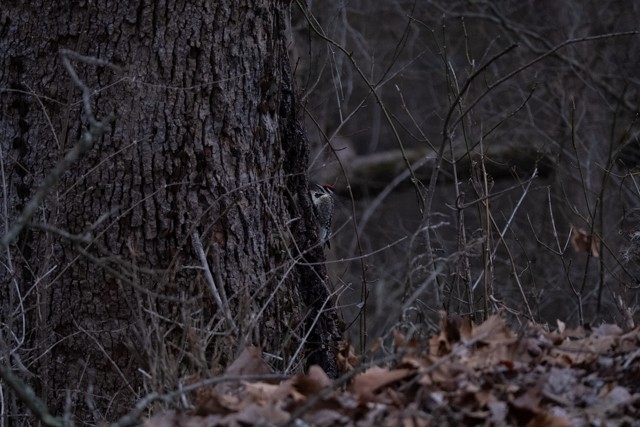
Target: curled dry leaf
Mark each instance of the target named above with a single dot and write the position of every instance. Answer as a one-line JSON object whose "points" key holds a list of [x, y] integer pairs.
{"points": [[549, 420], [582, 241], [398, 339], [377, 345], [313, 382], [366, 384], [346, 358], [249, 363], [482, 374], [260, 392], [216, 403]]}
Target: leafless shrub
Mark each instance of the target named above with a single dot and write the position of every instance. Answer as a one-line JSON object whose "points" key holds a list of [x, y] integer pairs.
{"points": [[527, 124]]}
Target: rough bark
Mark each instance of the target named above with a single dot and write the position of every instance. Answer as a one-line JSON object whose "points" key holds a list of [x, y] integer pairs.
{"points": [[106, 281]]}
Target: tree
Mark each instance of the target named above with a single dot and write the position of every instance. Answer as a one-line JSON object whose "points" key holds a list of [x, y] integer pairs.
{"points": [[183, 232]]}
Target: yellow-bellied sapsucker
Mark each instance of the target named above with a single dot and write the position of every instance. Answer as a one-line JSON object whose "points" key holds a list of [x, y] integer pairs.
{"points": [[323, 207]]}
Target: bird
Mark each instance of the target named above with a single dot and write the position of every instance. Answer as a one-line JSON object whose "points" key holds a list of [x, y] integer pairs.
{"points": [[323, 208]]}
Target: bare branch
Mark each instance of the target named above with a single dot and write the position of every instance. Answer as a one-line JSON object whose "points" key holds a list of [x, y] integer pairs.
{"points": [[95, 131], [28, 397]]}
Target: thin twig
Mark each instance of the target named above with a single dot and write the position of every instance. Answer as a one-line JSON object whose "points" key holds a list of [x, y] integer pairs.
{"points": [[508, 224], [96, 129], [26, 394], [218, 294], [317, 29], [311, 328]]}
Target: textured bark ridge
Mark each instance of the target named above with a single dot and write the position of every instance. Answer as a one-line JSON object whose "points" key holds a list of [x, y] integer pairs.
{"points": [[322, 347], [105, 282]]}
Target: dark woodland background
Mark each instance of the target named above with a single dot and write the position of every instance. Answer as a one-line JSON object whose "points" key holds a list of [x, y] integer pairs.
{"points": [[500, 90], [155, 163]]}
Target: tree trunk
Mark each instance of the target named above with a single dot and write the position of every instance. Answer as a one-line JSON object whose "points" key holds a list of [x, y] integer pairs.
{"points": [[103, 295]]}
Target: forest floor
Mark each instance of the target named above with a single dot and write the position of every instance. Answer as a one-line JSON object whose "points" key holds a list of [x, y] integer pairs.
{"points": [[486, 374]]}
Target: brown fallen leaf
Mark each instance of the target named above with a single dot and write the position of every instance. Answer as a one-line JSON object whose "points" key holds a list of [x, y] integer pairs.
{"points": [[585, 350], [607, 329], [548, 420], [210, 402], [487, 375], [248, 363], [262, 393], [452, 328], [585, 242], [257, 415], [528, 403], [346, 359], [312, 382], [377, 345], [493, 330], [366, 384]]}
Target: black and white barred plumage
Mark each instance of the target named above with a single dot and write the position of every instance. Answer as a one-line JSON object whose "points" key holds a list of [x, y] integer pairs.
{"points": [[323, 207]]}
